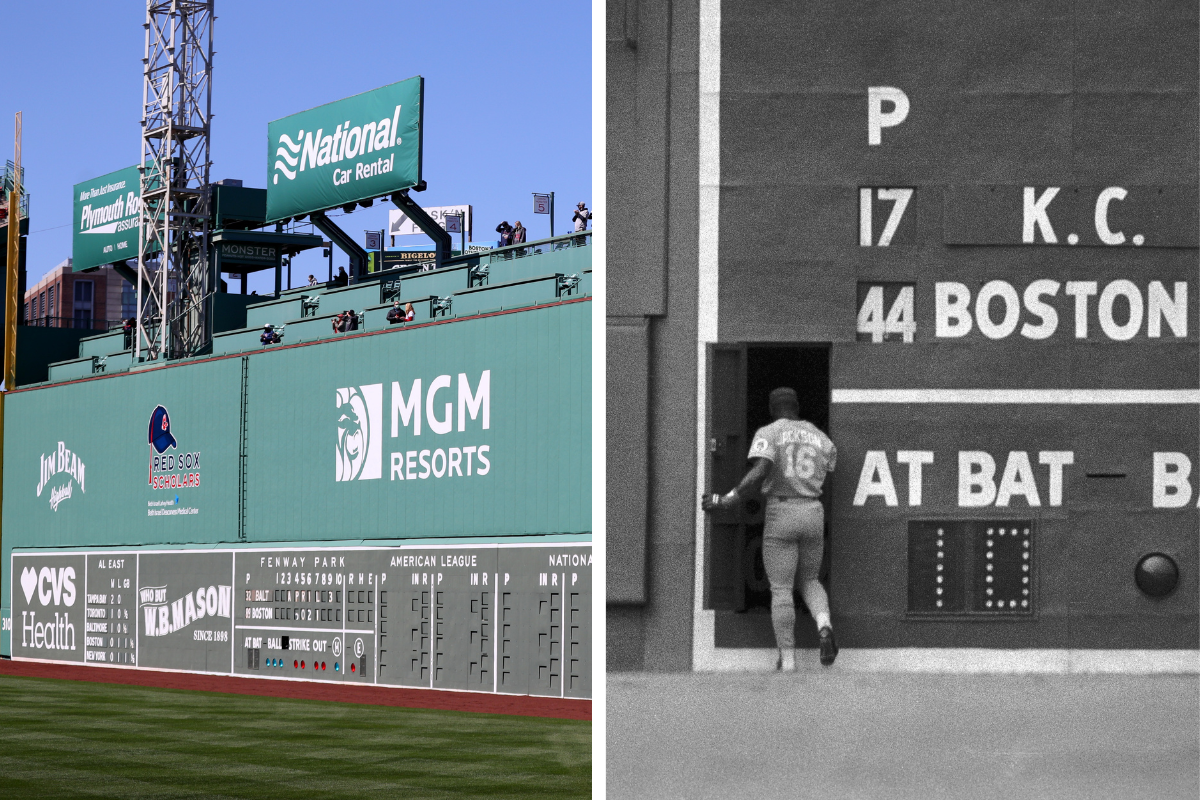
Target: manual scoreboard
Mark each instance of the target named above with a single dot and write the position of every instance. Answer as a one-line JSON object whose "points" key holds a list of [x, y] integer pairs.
{"points": [[510, 619], [967, 234]]}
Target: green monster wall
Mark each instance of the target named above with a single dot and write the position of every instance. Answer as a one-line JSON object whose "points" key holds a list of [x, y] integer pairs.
{"points": [[296, 444]]}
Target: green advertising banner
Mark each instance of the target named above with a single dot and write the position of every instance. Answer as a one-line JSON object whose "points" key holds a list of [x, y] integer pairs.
{"points": [[162, 468], [106, 218], [354, 149]]}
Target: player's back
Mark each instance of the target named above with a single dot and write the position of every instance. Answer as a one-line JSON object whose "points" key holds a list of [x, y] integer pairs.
{"points": [[801, 456]]}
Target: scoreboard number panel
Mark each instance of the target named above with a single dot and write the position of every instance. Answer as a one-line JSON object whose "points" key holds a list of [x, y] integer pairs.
{"points": [[487, 618], [111, 625], [981, 568], [875, 215], [1164, 216], [494, 618], [886, 312]]}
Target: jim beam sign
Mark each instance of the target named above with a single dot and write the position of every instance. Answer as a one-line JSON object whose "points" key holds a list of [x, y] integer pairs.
{"points": [[354, 149]]}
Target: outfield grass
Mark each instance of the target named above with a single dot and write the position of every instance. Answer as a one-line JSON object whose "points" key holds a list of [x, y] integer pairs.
{"points": [[72, 739]]}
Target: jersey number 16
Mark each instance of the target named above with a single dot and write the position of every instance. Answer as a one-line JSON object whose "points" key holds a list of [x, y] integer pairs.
{"points": [[800, 461]]}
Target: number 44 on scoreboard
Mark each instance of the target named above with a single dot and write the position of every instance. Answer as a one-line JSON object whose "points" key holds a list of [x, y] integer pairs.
{"points": [[897, 324]]}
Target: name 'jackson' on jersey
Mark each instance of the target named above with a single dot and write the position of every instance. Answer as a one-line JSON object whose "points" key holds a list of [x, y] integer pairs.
{"points": [[801, 456]]}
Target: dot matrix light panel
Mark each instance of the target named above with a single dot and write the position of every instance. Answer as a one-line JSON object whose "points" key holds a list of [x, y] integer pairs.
{"points": [[972, 567]]}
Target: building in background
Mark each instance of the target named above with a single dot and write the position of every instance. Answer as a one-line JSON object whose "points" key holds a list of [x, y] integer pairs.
{"points": [[96, 300]]}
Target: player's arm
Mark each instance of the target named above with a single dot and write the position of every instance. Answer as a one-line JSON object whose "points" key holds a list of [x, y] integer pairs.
{"points": [[746, 487]]}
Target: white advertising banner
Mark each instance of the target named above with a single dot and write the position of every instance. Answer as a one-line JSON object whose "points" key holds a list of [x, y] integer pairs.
{"points": [[400, 225]]}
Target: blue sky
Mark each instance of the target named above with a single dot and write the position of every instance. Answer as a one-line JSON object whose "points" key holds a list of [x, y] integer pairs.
{"points": [[507, 100]]}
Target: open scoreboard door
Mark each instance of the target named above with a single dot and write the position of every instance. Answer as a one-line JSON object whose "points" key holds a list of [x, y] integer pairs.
{"points": [[725, 464], [741, 376]]}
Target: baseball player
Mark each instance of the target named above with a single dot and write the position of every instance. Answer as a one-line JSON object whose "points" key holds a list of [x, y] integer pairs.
{"points": [[790, 459]]}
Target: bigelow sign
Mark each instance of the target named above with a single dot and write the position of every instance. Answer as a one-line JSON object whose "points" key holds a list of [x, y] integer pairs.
{"points": [[354, 149]]}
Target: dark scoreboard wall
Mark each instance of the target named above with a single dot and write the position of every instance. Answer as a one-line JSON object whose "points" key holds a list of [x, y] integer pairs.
{"points": [[1029, 225], [510, 619], [1001, 96]]}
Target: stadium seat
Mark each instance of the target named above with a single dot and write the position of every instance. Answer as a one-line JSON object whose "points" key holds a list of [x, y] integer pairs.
{"points": [[70, 370], [439, 282], [542, 289], [238, 341], [102, 344]]}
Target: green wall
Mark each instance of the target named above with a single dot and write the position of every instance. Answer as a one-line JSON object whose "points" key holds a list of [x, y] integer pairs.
{"points": [[281, 406], [103, 423], [538, 439]]}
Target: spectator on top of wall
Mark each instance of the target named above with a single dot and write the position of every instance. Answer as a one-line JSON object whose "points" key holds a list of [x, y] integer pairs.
{"points": [[505, 230], [582, 215], [351, 321], [409, 313], [341, 279], [269, 335], [312, 281], [395, 313], [518, 233]]}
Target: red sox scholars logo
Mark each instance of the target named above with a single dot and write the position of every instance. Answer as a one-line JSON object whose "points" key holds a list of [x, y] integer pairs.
{"points": [[169, 470]]}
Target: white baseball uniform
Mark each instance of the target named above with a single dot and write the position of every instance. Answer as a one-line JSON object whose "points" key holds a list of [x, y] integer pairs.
{"points": [[801, 456]]}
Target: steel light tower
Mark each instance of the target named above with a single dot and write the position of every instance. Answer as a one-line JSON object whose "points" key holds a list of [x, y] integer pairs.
{"points": [[173, 243]]}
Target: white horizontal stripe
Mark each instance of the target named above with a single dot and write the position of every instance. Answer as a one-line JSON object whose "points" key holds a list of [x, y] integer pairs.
{"points": [[1021, 396], [963, 660], [305, 678], [300, 547], [302, 630]]}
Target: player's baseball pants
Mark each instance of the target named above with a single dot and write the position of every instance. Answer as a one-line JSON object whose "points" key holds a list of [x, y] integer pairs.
{"points": [[793, 538]]}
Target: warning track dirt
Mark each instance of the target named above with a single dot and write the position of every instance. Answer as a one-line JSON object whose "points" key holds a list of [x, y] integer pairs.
{"points": [[517, 705]]}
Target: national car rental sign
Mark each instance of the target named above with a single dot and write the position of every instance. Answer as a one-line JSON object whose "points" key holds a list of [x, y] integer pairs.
{"points": [[354, 149]]}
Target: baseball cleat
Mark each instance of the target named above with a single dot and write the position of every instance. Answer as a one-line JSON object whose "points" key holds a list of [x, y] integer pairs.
{"points": [[829, 649]]}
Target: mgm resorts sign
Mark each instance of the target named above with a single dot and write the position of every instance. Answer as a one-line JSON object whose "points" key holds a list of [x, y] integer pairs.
{"points": [[354, 149]]}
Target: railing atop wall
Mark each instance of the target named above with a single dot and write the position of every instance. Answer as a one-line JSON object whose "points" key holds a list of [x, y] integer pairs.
{"points": [[71, 322], [526, 249]]}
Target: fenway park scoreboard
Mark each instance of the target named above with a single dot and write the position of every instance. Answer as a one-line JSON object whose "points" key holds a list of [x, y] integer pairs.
{"points": [[507, 618], [254, 513], [967, 234]]}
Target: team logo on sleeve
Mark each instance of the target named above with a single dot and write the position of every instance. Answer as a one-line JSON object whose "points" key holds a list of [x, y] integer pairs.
{"points": [[759, 446]]}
